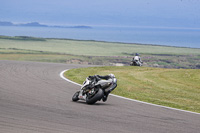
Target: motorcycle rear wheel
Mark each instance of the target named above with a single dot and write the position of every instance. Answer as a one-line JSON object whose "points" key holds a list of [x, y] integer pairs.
{"points": [[98, 96]]}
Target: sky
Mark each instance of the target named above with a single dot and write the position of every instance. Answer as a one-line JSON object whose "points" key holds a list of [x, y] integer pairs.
{"points": [[152, 13]]}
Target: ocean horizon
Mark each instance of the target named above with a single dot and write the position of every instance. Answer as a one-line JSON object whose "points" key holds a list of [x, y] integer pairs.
{"points": [[178, 37]]}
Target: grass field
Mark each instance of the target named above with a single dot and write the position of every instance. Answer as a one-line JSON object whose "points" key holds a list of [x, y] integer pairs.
{"points": [[96, 53], [177, 88], [89, 48]]}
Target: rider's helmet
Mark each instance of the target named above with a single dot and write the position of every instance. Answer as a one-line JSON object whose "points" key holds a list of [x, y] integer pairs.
{"points": [[136, 54], [112, 75]]}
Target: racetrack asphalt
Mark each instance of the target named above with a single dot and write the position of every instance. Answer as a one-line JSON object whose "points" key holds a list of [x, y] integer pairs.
{"points": [[35, 99]]}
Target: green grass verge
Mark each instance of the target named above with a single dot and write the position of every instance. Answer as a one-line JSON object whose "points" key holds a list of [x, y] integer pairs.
{"points": [[177, 88]]}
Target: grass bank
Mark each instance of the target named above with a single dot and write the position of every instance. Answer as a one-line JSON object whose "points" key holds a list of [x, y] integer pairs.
{"points": [[177, 88]]}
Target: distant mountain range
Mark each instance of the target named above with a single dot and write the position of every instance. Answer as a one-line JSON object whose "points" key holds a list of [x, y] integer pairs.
{"points": [[36, 24]]}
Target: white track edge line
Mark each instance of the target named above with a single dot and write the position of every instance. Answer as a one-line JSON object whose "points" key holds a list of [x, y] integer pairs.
{"points": [[62, 76]]}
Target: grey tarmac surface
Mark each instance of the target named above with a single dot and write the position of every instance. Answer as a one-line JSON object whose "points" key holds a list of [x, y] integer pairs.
{"points": [[34, 99]]}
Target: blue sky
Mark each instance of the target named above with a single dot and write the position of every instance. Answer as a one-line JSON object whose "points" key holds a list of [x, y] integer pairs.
{"points": [[156, 13]]}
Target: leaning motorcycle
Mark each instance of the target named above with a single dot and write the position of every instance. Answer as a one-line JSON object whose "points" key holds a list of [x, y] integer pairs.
{"points": [[95, 90]]}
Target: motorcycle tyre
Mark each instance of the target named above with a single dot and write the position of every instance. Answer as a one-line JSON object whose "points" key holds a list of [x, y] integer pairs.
{"points": [[98, 96], [75, 96]]}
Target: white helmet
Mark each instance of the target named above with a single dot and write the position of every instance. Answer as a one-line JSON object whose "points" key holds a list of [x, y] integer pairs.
{"points": [[112, 75]]}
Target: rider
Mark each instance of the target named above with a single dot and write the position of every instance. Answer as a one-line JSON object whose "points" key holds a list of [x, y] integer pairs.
{"points": [[137, 58], [96, 78]]}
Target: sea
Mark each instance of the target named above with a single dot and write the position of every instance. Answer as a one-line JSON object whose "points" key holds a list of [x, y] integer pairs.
{"points": [[179, 37]]}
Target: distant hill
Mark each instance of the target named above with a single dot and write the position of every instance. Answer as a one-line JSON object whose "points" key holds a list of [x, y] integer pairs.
{"points": [[37, 24], [6, 23]]}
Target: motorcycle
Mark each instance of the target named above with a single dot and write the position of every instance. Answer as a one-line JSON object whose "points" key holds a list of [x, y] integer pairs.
{"points": [[135, 63], [95, 89]]}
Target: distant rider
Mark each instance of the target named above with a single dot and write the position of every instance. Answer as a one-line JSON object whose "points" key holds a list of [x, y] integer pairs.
{"points": [[137, 60]]}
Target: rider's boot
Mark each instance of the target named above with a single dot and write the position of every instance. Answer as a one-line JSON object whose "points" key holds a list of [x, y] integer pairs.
{"points": [[105, 97]]}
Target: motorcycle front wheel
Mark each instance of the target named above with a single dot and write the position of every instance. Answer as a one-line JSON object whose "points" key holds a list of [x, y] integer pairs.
{"points": [[75, 96], [92, 99]]}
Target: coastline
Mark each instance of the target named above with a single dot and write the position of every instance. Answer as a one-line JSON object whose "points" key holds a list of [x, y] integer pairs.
{"points": [[142, 36], [43, 38]]}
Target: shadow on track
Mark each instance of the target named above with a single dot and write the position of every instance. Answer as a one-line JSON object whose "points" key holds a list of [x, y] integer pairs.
{"points": [[96, 104]]}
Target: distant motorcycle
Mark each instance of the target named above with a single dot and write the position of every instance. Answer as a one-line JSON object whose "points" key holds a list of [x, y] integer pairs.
{"points": [[136, 63], [96, 88]]}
